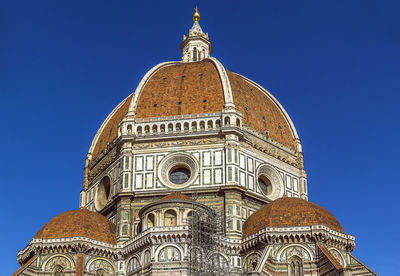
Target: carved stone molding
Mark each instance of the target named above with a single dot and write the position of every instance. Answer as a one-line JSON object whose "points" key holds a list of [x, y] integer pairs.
{"points": [[291, 158], [102, 165], [275, 178], [189, 142]]}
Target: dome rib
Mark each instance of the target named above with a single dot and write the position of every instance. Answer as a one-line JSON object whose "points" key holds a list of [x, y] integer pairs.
{"points": [[226, 84], [143, 82], [261, 111], [181, 88], [108, 130]]}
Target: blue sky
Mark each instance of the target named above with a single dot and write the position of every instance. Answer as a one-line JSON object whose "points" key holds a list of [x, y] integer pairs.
{"points": [[334, 66]]}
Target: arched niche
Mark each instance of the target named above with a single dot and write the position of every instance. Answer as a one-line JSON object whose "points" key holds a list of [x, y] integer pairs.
{"points": [[170, 218], [102, 193]]}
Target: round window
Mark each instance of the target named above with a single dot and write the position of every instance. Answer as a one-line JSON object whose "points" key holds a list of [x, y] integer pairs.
{"points": [[269, 182], [178, 170], [179, 175], [265, 184]]}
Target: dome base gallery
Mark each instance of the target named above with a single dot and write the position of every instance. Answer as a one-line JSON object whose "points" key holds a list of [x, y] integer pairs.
{"points": [[198, 172]]}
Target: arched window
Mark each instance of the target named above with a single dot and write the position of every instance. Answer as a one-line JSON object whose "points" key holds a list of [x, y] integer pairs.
{"points": [[194, 54], [238, 122], [194, 126], [170, 218], [162, 128], [178, 127], [210, 124], [133, 265], [150, 221], [154, 129], [129, 129], [218, 123], [147, 129], [202, 125], [251, 262], [295, 266], [186, 126], [58, 271], [139, 130], [169, 254], [147, 258], [170, 128], [227, 121]]}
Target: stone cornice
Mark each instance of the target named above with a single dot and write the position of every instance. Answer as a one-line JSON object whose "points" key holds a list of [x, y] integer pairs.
{"points": [[74, 244], [154, 235], [314, 233]]}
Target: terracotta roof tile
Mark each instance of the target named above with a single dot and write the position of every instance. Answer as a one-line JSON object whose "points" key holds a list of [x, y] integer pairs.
{"points": [[331, 258], [79, 223], [195, 88], [259, 110], [110, 131], [289, 212], [176, 196], [183, 88], [25, 265]]}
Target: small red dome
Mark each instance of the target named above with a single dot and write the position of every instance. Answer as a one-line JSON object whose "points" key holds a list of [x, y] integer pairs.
{"points": [[79, 223], [289, 212], [176, 196]]}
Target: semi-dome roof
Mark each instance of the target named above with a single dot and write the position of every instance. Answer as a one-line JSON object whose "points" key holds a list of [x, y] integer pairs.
{"points": [[176, 196], [178, 88], [79, 223], [289, 212]]}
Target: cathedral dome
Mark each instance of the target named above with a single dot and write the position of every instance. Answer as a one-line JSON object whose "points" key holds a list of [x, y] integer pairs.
{"points": [[187, 88], [289, 212], [79, 223]]}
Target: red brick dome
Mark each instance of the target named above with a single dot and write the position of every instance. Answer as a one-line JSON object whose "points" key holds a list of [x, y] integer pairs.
{"points": [[79, 223], [289, 212], [182, 88]]}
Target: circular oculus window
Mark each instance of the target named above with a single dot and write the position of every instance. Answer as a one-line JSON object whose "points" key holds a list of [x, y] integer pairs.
{"points": [[179, 175], [178, 170], [269, 181]]}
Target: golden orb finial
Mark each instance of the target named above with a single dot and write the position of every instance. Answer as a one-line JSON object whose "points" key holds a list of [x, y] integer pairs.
{"points": [[196, 15]]}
